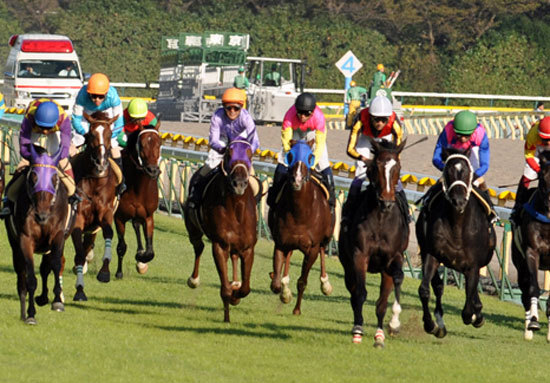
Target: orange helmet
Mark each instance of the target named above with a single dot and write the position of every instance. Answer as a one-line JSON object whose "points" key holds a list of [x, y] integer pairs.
{"points": [[544, 128], [380, 67], [98, 84], [234, 96], [352, 83]]}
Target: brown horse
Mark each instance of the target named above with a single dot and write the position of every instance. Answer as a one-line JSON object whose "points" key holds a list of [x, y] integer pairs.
{"points": [[452, 228], [96, 182], [38, 225], [375, 240], [227, 216], [300, 219], [140, 161], [531, 247]]}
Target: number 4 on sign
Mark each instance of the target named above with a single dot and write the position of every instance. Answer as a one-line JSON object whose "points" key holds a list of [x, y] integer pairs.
{"points": [[349, 64]]}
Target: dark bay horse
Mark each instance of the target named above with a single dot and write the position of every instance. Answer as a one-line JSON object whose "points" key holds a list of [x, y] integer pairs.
{"points": [[300, 219], [96, 182], [453, 229], [375, 240], [38, 224], [140, 161], [531, 247], [227, 216]]}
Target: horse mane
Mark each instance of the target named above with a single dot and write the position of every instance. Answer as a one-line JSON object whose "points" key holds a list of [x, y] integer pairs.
{"points": [[100, 116]]}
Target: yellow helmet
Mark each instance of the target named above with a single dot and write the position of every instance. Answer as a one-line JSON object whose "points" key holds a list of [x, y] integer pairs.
{"points": [[352, 83], [137, 108], [380, 67]]}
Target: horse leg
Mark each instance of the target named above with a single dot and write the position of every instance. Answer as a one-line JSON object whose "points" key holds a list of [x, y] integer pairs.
{"points": [[220, 259], [19, 267], [326, 287], [396, 271], [235, 283], [79, 260], [438, 287], [148, 230], [354, 277], [471, 314], [309, 259], [429, 269], [286, 293], [121, 246], [548, 317], [45, 267], [195, 237], [56, 265], [27, 249], [275, 275], [386, 285], [104, 274], [523, 282], [247, 259], [533, 290]]}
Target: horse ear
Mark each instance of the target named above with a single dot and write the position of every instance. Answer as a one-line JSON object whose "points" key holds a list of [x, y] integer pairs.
{"points": [[374, 144], [467, 152], [401, 146], [157, 126], [112, 120], [249, 153]]}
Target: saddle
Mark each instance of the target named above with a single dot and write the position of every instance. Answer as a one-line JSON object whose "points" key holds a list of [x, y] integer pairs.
{"points": [[116, 170]]}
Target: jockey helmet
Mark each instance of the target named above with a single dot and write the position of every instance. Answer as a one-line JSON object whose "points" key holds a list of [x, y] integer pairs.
{"points": [[544, 128], [380, 67], [137, 108], [46, 115], [98, 84], [241, 69], [305, 102], [465, 123], [234, 95], [380, 106], [353, 83]]}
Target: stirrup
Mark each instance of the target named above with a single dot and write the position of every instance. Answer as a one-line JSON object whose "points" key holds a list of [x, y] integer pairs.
{"points": [[121, 188], [5, 212]]}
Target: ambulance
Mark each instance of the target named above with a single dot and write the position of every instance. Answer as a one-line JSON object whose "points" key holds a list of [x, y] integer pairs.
{"points": [[41, 65]]}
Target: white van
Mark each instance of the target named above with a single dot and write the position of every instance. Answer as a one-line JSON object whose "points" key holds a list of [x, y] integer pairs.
{"points": [[41, 65]]}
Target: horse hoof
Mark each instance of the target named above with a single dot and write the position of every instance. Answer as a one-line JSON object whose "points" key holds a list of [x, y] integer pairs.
{"points": [[326, 287], [58, 306], [534, 325], [379, 338], [141, 267], [30, 321], [104, 276], [193, 282], [379, 344], [286, 295], [90, 255], [145, 257], [234, 301], [274, 288], [480, 321], [440, 332], [41, 300], [394, 330], [528, 335], [357, 338], [118, 275], [297, 312], [80, 296]]}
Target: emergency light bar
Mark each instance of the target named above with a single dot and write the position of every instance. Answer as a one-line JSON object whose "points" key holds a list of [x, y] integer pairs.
{"points": [[50, 46]]}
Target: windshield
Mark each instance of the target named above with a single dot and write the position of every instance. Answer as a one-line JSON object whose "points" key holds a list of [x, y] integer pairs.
{"points": [[48, 69]]}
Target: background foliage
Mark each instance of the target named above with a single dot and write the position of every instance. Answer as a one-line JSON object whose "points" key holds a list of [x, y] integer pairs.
{"points": [[458, 46]]}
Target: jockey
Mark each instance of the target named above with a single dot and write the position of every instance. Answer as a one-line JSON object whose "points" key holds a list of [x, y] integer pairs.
{"points": [[536, 141], [100, 96], [464, 132], [137, 114], [43, 117], [353, 97], [229, 123], [304, 121], [380, 122]]}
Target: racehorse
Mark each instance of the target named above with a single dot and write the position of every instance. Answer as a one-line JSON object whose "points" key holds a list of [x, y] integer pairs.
{"points": [[531, 247], [453, 229], [300, 219], [227, 216], [374, 241], [96, 182], [140, 161], [38, 224]]}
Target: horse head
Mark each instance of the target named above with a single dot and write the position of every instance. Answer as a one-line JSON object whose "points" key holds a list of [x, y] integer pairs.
{"points": [[42, 182], [98, 140], [236, 165], [383, 171], [145, 144], [544, 179], [300, 160], [457, 177]]}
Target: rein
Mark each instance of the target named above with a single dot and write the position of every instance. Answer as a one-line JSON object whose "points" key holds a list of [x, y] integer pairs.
{"points": [[467, 186]]}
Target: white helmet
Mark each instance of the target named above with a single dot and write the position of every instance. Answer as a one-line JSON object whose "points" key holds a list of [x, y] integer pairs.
{"points": [[380, 106]]}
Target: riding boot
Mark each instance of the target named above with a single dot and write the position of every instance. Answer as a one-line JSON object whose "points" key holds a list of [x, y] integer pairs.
{"points": [[198, 183], [521, 198], [7, 204], [6, 209], [121, 188], [329, 181], [279, 178]]}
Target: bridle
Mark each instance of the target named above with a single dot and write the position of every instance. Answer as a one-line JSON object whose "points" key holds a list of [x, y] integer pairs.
{"points": [[138, 148], [100, 162], [52, 190], [467, 185], [233, 167]]}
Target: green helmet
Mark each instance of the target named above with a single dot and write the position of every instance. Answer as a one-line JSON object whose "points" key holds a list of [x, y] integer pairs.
{"points": [[137, 108], [465, 123], [241, 69]]}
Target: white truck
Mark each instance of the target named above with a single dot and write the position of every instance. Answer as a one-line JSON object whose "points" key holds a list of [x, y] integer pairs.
{"points": [[41, 65]]}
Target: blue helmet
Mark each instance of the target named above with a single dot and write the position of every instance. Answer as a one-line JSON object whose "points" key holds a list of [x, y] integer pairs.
{"points": [[47, 114]]}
